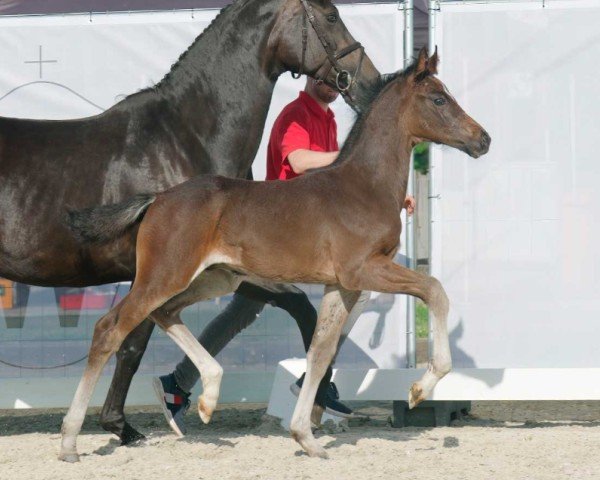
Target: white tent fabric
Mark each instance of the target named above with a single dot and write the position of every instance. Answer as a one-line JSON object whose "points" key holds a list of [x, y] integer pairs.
{"points": [[37, 7], [516, 231]]}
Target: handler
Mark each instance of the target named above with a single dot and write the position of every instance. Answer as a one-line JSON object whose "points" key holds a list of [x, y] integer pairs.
{"points": [[303, 137]]}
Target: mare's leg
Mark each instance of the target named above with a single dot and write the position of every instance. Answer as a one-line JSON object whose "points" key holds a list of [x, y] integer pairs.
{"points": [[129, 356], [335, 307], [109, 333], [385, 276]]}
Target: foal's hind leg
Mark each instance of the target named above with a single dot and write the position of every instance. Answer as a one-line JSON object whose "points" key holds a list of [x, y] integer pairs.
{"points": [[211, 372], [211, 284], [334, 310], [109, 333], [385, 276]]}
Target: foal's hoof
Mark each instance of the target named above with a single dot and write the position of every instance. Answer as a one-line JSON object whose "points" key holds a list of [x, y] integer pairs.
{"points": [[69, 457], [317, 452], [204, 410], [309, 444], [415, 396], [130, 436]]}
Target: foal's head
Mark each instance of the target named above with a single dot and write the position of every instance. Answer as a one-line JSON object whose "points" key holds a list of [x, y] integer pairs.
{"points": [[431, 114]]}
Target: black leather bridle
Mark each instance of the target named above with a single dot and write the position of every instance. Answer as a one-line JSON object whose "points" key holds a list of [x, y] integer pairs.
{"points": [[343, 79]]}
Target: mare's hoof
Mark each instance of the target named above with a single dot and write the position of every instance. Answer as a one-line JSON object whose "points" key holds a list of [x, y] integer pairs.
{"points": [[69, 457], [131, 436]]}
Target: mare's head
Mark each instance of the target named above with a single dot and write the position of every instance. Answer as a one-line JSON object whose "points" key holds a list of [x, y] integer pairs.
{"points": [[310, 38], [431, 114]]}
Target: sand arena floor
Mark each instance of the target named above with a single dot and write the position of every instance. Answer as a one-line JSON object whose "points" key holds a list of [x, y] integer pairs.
{"points": [[500, 440]]}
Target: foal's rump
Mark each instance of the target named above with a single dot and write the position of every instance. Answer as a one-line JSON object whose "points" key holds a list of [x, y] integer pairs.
{"points": [[182, 229], [248, 227], [103, 223]]}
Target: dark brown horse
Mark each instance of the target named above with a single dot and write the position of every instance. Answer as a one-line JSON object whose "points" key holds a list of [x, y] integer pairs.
{"points": [[205, 117], [210, 233]]}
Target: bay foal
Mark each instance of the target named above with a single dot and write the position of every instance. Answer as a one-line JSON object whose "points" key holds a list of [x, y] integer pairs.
{"points": [[210, 233]]}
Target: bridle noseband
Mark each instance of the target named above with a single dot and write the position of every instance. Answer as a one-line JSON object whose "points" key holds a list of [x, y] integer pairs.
{"points": [[343, 79]]}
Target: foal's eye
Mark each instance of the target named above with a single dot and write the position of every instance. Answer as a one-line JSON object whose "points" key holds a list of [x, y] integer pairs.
{"points": [[332, 18], [440, 101]]}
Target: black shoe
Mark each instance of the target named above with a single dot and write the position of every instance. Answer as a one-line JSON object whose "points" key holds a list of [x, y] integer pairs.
{"points": [[174, 401], [332, 406]]}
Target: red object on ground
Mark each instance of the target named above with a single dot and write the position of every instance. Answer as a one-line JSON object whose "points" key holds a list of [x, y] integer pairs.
{"points": [[79, 301]]}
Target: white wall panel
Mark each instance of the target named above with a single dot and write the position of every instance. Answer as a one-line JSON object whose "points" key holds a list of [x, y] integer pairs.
{"points": [[517, 231]]}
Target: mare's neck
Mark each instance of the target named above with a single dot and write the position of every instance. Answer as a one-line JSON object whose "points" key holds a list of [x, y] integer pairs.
{"points": [[231, 52], [222, 86]]}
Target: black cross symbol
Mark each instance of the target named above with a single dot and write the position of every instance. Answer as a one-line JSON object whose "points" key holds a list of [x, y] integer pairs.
{"points": [[40, 61]]}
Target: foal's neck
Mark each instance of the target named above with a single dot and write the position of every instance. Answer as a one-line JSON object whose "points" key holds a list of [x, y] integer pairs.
{"points": [[380, 155]]}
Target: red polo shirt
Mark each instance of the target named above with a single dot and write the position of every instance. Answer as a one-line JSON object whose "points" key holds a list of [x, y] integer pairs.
{"points": [[302, 124]]}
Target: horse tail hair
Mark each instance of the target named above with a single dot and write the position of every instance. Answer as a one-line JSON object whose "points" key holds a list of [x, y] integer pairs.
{"points": [[107, 222]]}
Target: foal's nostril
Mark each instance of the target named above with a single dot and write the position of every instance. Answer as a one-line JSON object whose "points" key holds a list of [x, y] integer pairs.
{"points": [[485, 140]]}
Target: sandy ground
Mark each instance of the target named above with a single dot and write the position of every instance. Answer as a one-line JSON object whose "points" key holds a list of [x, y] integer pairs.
{"points": [[499, 440]]}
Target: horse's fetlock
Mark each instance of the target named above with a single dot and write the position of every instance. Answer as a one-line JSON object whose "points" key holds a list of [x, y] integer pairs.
{"points": [[440, 369]]}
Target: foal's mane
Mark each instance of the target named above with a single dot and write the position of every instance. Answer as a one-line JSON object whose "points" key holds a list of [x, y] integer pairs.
{"points": [[366, 101]]}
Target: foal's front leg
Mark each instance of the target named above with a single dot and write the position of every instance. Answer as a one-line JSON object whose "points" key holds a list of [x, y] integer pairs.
{"points": [[334, 310], [383, 275]]}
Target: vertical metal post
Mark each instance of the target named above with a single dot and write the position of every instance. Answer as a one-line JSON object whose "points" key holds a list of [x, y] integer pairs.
{"points": [[411, 338], [433, 7]]}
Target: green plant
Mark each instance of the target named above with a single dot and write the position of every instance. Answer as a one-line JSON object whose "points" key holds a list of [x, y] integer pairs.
{"points": [[422, 320], [421, 157]]}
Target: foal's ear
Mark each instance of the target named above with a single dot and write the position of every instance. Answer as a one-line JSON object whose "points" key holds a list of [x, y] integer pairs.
{"points": [[426, 65], [422, 62], [432, 63]]}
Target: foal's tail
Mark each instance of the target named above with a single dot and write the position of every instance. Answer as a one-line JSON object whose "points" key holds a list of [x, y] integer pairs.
{"points": [[107, 222]]}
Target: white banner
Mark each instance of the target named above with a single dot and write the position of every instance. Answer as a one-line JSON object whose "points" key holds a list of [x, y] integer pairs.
{"points": [[516, 232]]}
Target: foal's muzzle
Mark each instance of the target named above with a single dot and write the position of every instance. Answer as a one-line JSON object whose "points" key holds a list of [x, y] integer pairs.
{"points": [[478, 147]]}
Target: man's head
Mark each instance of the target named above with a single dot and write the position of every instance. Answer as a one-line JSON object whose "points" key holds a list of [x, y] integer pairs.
{"points": [[320, 91]]}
